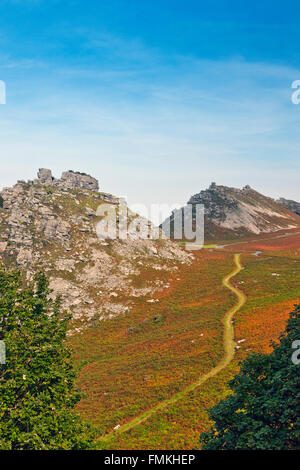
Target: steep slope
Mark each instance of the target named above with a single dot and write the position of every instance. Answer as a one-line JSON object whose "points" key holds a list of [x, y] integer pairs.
{"points": [[50, 224], [231, 213]]}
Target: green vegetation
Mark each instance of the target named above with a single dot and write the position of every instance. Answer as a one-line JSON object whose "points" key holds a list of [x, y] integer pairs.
{"points": [[37, 394], [136, 361], [263, 413]]}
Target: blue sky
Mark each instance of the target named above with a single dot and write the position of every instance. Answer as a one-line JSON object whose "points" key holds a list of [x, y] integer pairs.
{"points": [[155, 98]]}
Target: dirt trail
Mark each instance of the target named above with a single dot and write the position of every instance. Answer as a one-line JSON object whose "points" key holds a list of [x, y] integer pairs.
{"points": [[229, 348]]}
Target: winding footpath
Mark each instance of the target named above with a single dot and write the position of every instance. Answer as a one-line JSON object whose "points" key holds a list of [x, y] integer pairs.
{"points": [[229, 348]]}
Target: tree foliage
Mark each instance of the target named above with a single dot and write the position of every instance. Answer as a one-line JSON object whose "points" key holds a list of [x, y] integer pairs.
{"points": [[37, 393], [264, 410]]}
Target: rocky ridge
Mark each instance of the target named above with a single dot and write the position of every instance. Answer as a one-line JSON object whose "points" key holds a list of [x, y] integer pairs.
{"points": [[68, 180], [231, 212]]}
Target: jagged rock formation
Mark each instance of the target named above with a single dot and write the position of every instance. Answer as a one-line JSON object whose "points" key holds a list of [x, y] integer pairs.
{"points": [[51, 225], [45, 176], [292, 206], [69, 180], [232, 212]]}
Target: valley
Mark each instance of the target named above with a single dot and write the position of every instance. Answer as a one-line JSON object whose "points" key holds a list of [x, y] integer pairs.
{"points": [[154, 385], [157, 331]]}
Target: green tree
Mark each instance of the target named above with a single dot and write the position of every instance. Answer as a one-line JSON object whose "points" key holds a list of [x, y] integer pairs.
{"points": [[37, 393], [264, 410]]}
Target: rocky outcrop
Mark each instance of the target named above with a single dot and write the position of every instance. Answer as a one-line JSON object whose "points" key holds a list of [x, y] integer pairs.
{"points": [[76, 180], [231, 212], [69, 180], [45, 176], [45, 225], [217, 202]]}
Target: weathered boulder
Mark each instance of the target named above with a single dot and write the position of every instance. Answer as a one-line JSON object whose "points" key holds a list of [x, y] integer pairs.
{"points": [[45, 176]]}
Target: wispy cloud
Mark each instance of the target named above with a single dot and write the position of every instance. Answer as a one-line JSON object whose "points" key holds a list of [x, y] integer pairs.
{"points": [[151, 127]]}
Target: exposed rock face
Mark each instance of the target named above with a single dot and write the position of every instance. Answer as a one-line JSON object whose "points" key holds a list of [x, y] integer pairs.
{"points": [[72, 180], [45, 176], [45, 226], [292, 206], [232, 212], [69, 180]]}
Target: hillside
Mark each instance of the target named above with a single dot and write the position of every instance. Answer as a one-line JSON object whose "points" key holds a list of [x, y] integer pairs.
{"points": [[231, 213], [50, 224], [289, 204], [149, 318]]}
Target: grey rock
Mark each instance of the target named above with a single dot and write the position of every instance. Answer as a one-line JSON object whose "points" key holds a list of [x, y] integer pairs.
{"points": [[69, 180], [55, 229], [44, 225], [237, 212], [45, 176], [76, 180], [24, 257]]}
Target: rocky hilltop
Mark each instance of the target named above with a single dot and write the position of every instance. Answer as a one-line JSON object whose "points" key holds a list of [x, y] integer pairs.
{"points": [[69, 180], [50, 224], [231, 212]]}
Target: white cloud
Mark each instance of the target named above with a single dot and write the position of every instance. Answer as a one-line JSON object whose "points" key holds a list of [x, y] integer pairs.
{"points": [[156, 134]]}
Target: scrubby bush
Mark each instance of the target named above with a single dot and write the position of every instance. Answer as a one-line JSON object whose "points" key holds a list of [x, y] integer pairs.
{"points": [[264, 410]]}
